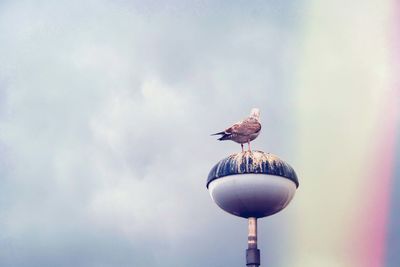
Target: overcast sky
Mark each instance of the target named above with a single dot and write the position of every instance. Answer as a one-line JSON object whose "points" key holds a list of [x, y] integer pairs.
{"points": [[106, 108]]}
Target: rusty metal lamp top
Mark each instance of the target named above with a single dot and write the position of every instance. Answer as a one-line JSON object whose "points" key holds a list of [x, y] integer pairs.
{"points": [[256, 162]]}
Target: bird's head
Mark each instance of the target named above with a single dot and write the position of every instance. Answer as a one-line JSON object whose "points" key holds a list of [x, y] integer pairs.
{"points": [[255, 113]]}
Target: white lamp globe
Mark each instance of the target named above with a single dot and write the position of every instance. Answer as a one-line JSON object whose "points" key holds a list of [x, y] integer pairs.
{"points": [[252, 184]]}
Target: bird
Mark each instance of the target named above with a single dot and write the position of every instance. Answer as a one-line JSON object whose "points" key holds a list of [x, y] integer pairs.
{"points": [[243, 131]]}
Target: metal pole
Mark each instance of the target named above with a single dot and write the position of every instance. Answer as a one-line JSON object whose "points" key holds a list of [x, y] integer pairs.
{"points": [[252, 252]]}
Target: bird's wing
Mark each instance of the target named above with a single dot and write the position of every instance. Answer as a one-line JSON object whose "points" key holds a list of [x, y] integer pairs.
{"points": [[245, 127], [233, 128]]}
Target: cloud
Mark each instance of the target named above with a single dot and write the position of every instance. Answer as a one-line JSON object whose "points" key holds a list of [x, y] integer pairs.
{"points": [[106, 114]]}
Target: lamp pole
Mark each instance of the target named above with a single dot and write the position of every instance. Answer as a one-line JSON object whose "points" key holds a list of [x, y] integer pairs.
{"points": [[252, 252]]}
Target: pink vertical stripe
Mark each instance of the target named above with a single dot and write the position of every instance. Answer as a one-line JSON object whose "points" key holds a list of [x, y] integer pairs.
{"points": [[375, 214]]}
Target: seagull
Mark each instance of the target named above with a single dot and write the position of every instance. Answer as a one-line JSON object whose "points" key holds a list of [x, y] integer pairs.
{"points": [[243, 131]]}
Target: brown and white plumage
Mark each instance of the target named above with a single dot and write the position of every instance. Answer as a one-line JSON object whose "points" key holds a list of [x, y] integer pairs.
{"points": [[244, 131]]}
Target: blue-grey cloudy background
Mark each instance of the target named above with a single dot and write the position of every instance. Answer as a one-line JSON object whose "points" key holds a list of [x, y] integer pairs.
{"points": [[105, 113]]}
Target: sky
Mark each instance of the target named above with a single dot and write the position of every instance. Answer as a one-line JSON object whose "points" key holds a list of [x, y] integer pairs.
{"points": [[106, 111]]}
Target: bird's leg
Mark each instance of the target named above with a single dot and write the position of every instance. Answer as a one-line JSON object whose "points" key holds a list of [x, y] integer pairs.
{"points": [[248, 143], [242, 147]]}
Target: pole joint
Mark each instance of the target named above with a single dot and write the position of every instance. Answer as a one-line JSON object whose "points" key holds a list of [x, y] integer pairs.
{"points": [[252, 252]]}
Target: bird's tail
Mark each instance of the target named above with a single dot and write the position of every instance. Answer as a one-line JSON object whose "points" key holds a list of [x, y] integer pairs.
{"points": [[219, 133], [225, 137]]}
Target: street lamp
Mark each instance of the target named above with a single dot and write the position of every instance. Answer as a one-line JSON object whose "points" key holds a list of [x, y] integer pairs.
{"points": [[252, 185]]}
